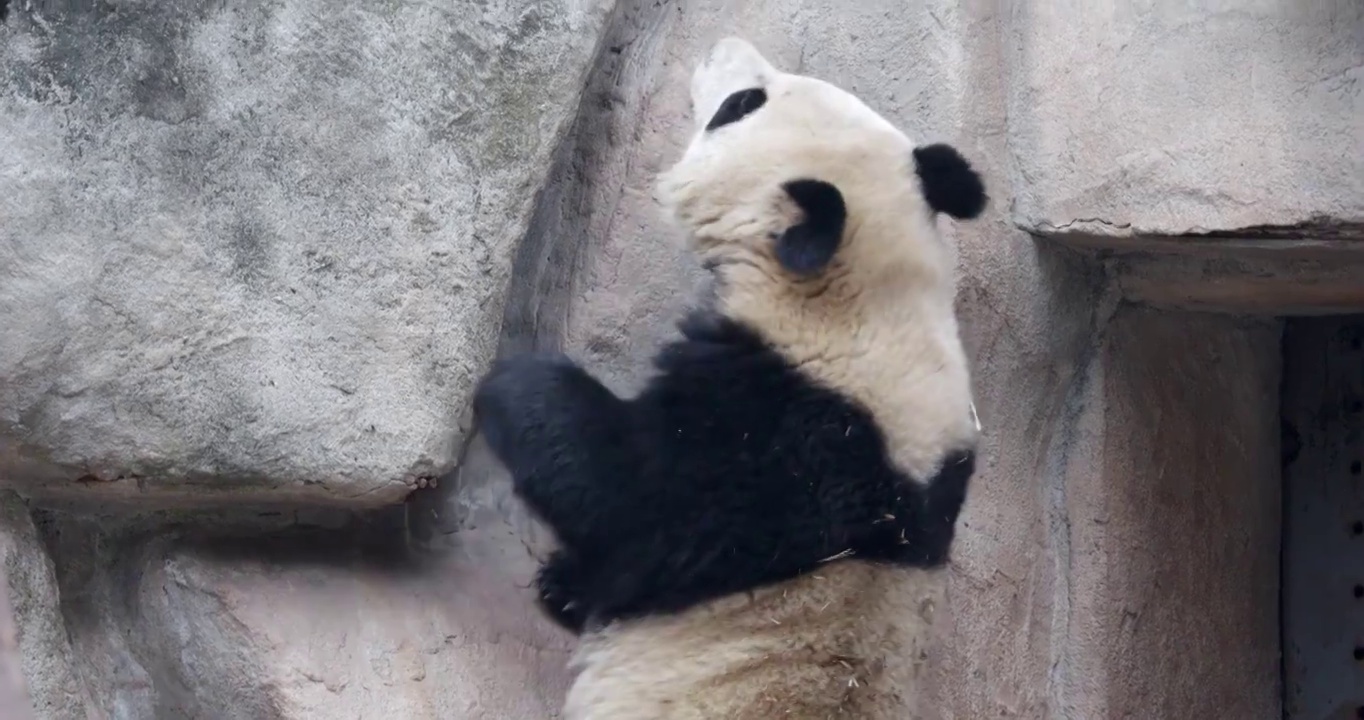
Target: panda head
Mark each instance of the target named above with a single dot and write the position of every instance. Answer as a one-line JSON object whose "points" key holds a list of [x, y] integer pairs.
{"points": [[791, 182]]}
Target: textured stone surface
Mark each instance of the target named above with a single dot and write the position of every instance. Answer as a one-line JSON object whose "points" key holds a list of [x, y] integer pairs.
{"points": [[1170, 495], [54, 684], [1172, 118], [337, 621], [14, 700], [261, 248], [348, 642], [1267, 283]]}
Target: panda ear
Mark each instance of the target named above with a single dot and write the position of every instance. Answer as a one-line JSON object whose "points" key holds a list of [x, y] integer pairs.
{"points": [[807, 247], [950, 184]]}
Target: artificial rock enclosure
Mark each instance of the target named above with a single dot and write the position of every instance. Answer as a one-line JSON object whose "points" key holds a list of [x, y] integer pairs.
{"points": [[253, 256]]}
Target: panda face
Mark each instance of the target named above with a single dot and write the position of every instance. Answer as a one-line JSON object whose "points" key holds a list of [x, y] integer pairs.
{"points": [[801, 179]]}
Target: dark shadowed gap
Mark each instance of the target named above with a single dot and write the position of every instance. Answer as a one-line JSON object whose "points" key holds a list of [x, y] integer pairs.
{"points": [[1323, 523]]}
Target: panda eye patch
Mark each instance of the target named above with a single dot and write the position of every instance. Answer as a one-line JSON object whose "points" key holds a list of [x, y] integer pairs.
{"points": [[737, 106]]}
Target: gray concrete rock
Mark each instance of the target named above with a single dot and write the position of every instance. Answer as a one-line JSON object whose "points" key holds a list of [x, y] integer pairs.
{"points": [[1172, 118], [14, 702], [331, 618], [259, 250], [258, 635], [1169, 493], [56, 688]]}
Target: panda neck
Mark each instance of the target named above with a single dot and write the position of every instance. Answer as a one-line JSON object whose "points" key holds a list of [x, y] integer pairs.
{"points": [[895, 350]]}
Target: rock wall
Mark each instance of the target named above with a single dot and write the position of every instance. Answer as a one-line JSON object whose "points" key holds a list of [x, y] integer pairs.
{"points": [[257, 251], [253, 255], [14, 700], [1170, 118]]}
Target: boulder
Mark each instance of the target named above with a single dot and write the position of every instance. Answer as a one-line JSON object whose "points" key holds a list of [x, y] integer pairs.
{"points": [[262, 636], [258, 252], [14, 702], [28, 584], [1185, 118], [326, 618]]}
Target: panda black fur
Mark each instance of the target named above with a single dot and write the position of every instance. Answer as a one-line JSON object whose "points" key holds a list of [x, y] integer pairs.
{"points": [[759, 533]]}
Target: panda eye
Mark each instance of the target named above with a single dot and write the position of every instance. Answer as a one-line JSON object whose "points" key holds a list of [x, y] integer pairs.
{"points": [[737, 106]]}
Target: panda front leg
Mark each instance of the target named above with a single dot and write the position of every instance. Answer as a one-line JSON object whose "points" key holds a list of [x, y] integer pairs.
{"points": [[564, 437], [942, 501]]}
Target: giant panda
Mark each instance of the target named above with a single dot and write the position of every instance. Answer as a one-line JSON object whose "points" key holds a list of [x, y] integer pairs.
{"points": [[761, 532]]}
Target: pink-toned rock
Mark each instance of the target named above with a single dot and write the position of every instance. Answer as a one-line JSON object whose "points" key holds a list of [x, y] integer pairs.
{"points": [[300, 639], [51, 674], [1167, 519], [338, 620], [14, 702]]}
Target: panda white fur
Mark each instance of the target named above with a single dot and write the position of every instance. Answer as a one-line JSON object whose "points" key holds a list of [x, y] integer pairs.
{"points": [[760, 533]]}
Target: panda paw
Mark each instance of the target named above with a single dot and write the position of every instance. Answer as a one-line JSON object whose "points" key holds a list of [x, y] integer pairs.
{"points": [[562, 435], [558, 593], [514, 404]]}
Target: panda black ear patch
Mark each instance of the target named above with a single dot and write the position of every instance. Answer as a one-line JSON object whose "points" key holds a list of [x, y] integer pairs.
{"points": [[806, 248], [737, 106], [950, 184]]}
